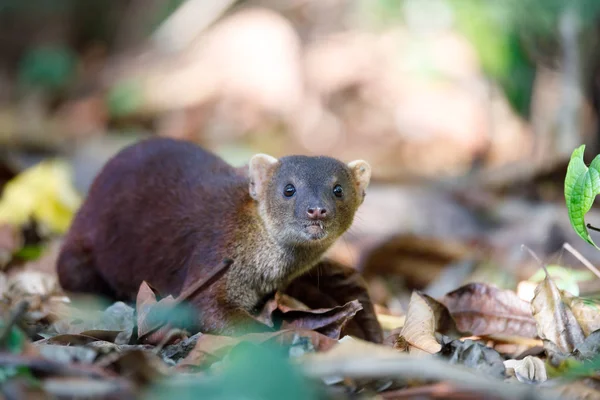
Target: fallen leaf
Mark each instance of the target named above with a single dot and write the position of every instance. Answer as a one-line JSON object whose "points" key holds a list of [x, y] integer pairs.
{"points": [[142, 367], [473, 355], [328, 321], [590, 348], [153, 316], [210, 348], [67, 354], [481, 309], [104, 335], [118, 317], [555, 320], [585, 310], [528, 370], [332, 284], [68, 339], [420, 326], [44, 192], [178, 351]]}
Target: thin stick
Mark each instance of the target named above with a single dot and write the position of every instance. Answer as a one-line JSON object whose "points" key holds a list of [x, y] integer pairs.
{"points": [[535, 257], [582, 259], [422, 368], [592, 227]]}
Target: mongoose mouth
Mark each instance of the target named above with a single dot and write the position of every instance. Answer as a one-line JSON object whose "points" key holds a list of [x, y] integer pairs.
{"points": [[315, 230]]}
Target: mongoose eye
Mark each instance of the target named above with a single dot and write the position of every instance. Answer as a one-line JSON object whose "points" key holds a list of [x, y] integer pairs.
{"points": [[289, 190], [338, 191]]}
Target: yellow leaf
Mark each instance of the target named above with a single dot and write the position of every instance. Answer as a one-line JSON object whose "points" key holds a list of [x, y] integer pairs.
{"points": [[43, 192]]}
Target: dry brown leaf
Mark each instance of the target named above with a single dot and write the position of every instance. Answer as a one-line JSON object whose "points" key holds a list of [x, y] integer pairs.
{"points": [[555, 320], [529, 370], [586, 311], [210, 348], [481, 309], [419, 328], [328, 321], [332, 284], [145, 305]]}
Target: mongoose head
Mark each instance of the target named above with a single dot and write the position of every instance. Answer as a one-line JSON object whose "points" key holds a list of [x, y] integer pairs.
{"points": [[307, 201]]}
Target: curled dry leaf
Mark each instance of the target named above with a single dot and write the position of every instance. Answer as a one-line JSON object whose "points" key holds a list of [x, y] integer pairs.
{"points": [[146, 305], [481, 309], [555, 320], [419, 328], [328, 321], [332, 284], [528, 370], [586, 311]]}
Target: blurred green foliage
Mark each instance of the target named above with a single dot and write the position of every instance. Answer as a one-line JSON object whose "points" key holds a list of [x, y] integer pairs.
{"points": [[48, 67], [251, 372], [14, 343], [124, 98], [510, 37]]}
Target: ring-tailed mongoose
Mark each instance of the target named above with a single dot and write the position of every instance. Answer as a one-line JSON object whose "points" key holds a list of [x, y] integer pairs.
{"points": [[168, 212]]}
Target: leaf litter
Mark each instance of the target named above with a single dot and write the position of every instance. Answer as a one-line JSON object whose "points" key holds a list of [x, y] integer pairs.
{"points": [[70, 348], [454, 331]]}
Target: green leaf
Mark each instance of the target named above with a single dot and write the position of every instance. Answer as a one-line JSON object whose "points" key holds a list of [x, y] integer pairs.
{"points": [[565, 278], [582, 184], [15, 340], [29, 253]]}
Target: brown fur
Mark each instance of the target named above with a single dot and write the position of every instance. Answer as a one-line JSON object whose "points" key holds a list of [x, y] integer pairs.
{"points": [[169, 212]]}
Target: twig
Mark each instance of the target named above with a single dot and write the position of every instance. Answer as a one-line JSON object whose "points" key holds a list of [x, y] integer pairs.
{"points": [[581, 258], [592, 227], [536, 258], [422, 368], [16, 314]]}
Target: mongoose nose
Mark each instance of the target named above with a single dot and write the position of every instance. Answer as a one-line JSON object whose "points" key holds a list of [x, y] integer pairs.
{"points": [[316, 213]]}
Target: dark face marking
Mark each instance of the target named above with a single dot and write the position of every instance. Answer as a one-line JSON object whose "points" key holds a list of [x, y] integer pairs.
{"points": [[313, 199]]}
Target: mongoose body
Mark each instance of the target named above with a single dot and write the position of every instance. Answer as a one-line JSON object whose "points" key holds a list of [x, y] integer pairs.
{"points": [[169, 212]]}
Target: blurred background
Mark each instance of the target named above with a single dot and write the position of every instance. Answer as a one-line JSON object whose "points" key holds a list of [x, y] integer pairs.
{"points": [[467, 110]]}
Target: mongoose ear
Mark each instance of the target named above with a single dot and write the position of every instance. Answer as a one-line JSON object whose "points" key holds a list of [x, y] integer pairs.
{"points": [[260, 171], [361, 171]]}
